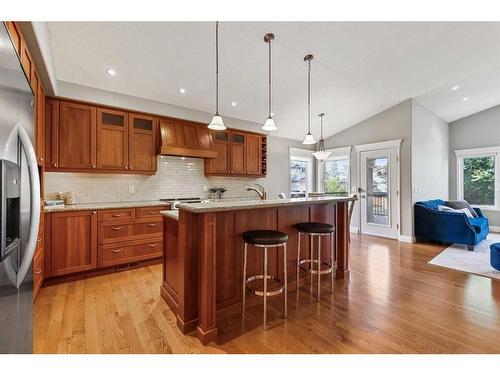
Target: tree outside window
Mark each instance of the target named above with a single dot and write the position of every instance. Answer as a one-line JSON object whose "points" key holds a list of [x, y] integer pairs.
{"points": [[479, 180], [336, 176]]}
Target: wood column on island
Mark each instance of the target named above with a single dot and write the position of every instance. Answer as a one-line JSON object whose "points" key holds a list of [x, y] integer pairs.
{"points": [[203, 265]]}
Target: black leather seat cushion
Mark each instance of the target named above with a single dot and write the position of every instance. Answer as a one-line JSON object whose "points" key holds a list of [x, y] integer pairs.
{"points": [[315, 227], [265, 237]]}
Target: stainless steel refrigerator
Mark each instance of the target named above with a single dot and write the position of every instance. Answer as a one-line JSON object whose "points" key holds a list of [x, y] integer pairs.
{"points": [[19, 202]]}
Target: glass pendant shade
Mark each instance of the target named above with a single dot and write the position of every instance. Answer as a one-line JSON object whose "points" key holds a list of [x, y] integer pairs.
{"points": [[269, 125], [321, 154], [309, 139], [217, 123]]}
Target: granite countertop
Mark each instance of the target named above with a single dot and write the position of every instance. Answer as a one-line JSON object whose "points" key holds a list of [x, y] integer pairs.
{"points": [[245, 204], [102, 206], [174, 214]]}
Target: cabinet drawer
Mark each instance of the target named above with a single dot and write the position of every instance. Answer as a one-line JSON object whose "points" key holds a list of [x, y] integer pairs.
{"points": [[118, 214], [150, 212], [113, 232], [152, 228], [38, 273], [111, 255]]}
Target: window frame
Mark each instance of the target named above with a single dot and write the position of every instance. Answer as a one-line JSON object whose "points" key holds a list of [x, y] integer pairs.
{"points": [[336, 154], [301, 155], [479, 152]]}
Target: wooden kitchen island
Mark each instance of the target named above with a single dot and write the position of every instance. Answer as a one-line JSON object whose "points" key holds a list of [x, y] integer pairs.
{"points": [[203, 253]]}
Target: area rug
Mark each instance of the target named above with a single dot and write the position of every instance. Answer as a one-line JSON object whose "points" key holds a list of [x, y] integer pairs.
{"points": [[477, 262]]}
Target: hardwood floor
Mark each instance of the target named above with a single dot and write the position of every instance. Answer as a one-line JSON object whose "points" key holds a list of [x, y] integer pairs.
{"points": [[394, 302]]}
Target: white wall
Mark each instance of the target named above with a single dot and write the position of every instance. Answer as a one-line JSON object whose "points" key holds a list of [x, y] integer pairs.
{"points": [[393, 123], [430, 154], [479, 130]]}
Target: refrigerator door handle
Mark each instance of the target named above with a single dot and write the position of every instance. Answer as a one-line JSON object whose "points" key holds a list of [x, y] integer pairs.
{"points": [[34, 205]]}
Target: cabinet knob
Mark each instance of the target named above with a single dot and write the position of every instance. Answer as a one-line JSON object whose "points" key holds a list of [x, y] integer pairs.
{"points": [[94, 212], [131, 167], [93, 166], [41, 159], [126, 167], [54, 164], [38, 271]]}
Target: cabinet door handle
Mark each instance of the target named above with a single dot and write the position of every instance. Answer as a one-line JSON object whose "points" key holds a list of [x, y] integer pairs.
{"points": [[117, 250], [117, 228], [38, 271], [153, 225], [153, 244], [117, 215], [151, 212]]}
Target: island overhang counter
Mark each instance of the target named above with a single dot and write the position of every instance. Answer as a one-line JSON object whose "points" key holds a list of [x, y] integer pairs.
{"points": [[202, 271]]}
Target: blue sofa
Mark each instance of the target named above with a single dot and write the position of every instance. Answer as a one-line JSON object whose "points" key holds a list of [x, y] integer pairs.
{"points": [[448, 227]]}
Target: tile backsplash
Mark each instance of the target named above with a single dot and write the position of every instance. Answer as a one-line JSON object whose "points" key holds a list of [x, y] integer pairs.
{"points": [[176, 177]]}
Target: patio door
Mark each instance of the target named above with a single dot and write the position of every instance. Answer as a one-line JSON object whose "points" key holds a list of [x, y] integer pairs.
{"points": [[379, 192]]}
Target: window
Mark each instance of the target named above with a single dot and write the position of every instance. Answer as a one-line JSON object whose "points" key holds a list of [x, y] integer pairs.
{"points": [[477, 178], [301, 170], [334, 173]]}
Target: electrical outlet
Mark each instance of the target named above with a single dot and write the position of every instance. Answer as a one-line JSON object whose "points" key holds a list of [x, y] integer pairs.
{"points": [[205, 188], [131, 189]]}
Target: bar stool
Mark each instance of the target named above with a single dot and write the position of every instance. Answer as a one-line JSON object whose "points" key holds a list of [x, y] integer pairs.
{"points": [[316, 230], [265, 239]]}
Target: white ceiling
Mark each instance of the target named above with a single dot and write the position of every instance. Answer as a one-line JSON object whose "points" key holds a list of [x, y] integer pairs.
{"points": [[359, 69]]}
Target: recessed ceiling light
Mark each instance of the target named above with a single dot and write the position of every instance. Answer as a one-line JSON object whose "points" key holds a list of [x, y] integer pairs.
{"points": [[455, 88], [465, 99], [234, 104], [111, 72], [182, 90]]}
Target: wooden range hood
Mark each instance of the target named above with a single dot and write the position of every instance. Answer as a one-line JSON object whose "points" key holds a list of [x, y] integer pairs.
{"points": [[186, 138]]}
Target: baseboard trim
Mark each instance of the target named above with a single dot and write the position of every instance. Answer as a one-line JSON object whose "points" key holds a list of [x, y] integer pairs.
{"points": [[494, 228], [408, 239]]}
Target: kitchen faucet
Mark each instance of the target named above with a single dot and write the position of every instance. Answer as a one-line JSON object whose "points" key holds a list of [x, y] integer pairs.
{"points": [[262, 191]]}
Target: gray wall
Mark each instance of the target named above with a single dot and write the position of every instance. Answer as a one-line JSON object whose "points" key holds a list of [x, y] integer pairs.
{"points": [[278, 163], [430, 154], [393, 123], [479, 130]]}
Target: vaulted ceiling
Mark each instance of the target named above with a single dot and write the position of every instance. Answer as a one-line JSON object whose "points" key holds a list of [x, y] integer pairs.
{"points": [[359, 69]]}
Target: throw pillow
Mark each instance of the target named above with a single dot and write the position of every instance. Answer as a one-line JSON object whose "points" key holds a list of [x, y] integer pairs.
{"points": [[462, 210], [458, 205]]}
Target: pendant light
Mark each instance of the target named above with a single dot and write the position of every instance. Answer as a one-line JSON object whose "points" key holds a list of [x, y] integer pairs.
{"points": [[269, 125], [309, 139], [321, 154], [217, 123]]}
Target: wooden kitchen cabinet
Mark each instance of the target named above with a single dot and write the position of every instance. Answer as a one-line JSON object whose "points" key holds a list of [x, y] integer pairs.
{"points": [[254, 154], [238, 162], [239, 153], [15, 35], [112, 139], [142, 146], [77, 136], [73, 242], [40, 124], [51, 132], [219, 165]]}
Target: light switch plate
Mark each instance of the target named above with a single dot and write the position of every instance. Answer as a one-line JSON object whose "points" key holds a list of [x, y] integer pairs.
{"points": [[131, 189]]}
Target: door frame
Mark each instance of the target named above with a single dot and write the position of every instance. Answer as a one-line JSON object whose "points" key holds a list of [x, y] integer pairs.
{"points": [[393, 144]]}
